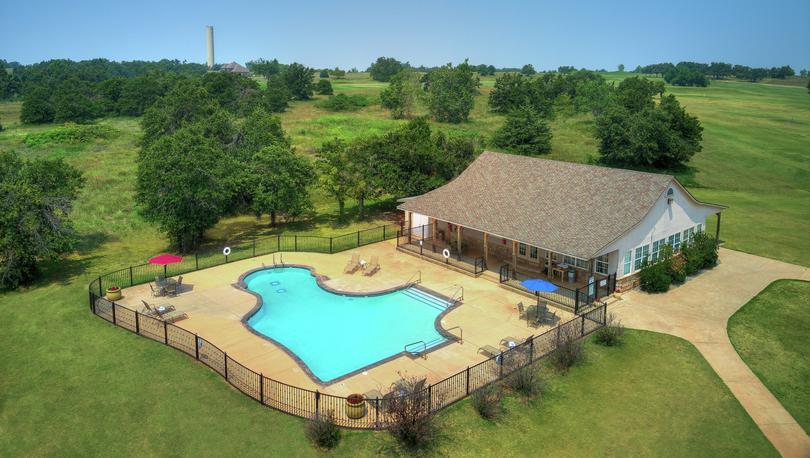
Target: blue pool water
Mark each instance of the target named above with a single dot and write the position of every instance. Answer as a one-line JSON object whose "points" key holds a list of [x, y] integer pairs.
{"points": [[336, 334]]}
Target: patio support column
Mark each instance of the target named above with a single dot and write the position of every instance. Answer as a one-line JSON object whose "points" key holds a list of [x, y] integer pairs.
{"points": [[548, 260], [486, 247], [458, 239], [717, 230], [434, 225], [514, 254]]}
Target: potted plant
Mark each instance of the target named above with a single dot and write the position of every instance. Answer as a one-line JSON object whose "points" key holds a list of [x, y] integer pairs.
{"points": [[113, 293], [355, 406]]}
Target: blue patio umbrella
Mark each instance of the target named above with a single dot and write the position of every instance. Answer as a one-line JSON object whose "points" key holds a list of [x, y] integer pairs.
{"points": [[538, 285]]}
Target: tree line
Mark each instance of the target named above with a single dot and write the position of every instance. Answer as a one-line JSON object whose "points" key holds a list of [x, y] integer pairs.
{"points": [[698, 74]]}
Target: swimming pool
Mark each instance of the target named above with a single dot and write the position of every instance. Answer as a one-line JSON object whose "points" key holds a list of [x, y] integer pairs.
{"points": [[338, 334]]}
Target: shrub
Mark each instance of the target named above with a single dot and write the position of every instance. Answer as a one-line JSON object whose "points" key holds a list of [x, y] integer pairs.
{"points": [[526, 381], [70, 133], [324, 87], [611, 334], [677, 270], [412, 423], [488, 401], [570, 351], [700, 253], [654, 278], [525, 132], [323, 431], [343, 102]]}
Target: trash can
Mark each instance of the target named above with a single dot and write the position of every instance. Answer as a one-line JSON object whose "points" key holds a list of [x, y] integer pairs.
{"points": [[572, 276]]}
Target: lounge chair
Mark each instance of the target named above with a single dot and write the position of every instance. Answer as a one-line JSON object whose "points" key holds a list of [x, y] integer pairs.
{"points": [[509, 339], [169, 314], [353, 264], [372, 267], [490, 351], [153, 311]]}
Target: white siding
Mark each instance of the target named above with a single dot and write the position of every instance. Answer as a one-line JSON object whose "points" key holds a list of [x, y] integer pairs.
{"points": [[662, 221]]}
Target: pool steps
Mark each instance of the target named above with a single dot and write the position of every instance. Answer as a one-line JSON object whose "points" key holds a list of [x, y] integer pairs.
{"points": [[426, 298]]}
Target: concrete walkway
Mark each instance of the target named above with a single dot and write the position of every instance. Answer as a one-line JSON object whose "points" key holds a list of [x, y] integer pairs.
{"points": [[698, 311]]}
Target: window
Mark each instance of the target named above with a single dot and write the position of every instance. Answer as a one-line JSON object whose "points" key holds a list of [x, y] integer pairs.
{"points": [[522, 249], [628, 258], [642, 254], [658, 245], [576, 262], [602, 264], [533, 252], [688, 235], [699, 228]]}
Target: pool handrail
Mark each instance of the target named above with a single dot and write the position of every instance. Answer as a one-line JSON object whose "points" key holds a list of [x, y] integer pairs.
{"points": [[422, 353]]}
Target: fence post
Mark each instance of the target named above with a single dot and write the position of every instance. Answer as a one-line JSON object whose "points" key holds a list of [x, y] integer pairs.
{"points": [[377, 413], [358, 238], [165, 332], [383, 231], [254, 246], [531, 348], [296, 242], [330, 245], [278, 243], [196, 261], [226, 366], [113, 310], [196, 347], [130, 276], [430, 398], [137, 322], [468, 380], [317, 403], [582, 330], [99, 287], [576, 301], [92, 303], [500, 369], [261, 388]]}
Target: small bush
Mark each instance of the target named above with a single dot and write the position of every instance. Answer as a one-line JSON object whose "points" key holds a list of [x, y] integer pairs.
{"points": [[323, 431], [343, 102], [324, 87], [611, 334], [412, 423], [488, 401], [569, 352], [654, 278], [677, 270], [526, 381], [70, 133]]}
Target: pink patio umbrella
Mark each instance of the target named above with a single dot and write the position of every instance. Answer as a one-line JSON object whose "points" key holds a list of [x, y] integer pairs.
{"points": [[164, 260]]}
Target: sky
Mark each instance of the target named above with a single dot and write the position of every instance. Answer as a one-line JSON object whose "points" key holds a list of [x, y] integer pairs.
{"points": [[317, 33]]}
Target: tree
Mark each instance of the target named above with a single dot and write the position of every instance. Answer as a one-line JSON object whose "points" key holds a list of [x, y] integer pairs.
{"points": [[324, 87], [782, 72], [683, 75], [636, 93], [9, 82], [299, 81], [280, 183], [37, 197], [338, 73], [264, 67], [621, 67], [384, 68], [401, 94], [525, 132], [566, 69], [323, 73], [75, 100], [334, 172], [511, 91], [185, 103], [37, 107], [528, 70], [184, 184], [719, 70], [662, 136], [451, 92], [139, 93], [277, 96]]}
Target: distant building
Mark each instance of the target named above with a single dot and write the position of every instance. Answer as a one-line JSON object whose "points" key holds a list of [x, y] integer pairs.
{"points": [[233, 67]]}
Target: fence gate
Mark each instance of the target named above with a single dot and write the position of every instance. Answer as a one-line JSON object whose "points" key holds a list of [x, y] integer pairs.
{"points": [[504, 273]]}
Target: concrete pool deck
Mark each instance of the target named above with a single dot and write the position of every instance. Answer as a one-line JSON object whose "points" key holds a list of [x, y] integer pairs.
{"points": [[215, 309]]}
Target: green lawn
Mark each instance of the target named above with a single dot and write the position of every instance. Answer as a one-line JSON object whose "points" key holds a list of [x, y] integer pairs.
{"points": [[771, 335]]}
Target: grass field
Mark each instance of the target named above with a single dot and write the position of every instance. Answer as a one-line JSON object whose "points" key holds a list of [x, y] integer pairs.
{"points": [[72, 385], [770, 334]]}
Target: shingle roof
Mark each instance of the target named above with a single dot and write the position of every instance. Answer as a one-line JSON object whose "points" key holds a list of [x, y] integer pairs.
{"points": [[575, 209], [234, 67]]}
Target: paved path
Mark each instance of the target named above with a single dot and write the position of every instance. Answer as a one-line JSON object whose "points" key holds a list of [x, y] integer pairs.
{"points": [[698, 311]]}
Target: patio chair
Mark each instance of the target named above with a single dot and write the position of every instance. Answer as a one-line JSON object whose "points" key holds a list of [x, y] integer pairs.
{"points": [[153, 311], [171, 288], [353, 264], [179, 283], [372, 266], [546, 316], [156, 292]]}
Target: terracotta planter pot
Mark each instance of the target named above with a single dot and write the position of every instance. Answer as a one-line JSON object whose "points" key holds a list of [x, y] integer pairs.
{"points": [[355, 406]]}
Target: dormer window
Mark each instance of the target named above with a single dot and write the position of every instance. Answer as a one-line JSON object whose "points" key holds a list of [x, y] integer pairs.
{"points": [[670, 196]]}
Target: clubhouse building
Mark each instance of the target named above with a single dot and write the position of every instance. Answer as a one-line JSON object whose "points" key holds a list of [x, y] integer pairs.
{"points": [[573, 224]]}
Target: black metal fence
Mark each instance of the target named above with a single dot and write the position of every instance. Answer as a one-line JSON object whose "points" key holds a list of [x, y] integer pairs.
{"points": [[306, 403], [420, 240], [577, 300]]}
